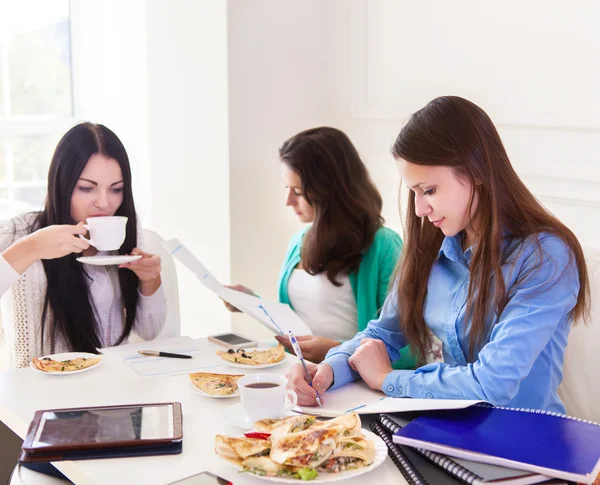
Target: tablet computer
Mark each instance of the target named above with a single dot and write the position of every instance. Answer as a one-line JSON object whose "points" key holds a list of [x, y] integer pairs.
{"points": [[104, 427]]}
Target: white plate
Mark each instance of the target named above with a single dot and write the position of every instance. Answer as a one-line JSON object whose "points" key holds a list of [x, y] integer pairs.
{"points": [[108, 260], [200, 392], [248, 366], [236, 416], [66, 356], [381, 452]]}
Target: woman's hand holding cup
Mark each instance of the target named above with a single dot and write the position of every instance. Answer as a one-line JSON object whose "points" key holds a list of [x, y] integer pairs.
{"points": [[51, 242], [322, 379], [58, 241]]}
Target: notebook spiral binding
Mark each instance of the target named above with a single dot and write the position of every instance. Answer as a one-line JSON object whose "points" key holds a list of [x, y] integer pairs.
{"points": [[442, 461], [411, 474], [537, 411]]}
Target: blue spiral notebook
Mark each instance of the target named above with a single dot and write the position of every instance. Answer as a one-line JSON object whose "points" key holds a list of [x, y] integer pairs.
{"points": [[550, 444]]}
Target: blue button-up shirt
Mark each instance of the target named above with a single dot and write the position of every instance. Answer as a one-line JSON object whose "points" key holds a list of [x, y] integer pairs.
{"points": [[520, 363]]}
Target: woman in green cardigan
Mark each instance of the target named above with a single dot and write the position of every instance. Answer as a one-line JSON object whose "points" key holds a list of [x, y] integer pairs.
{"points": [[336, 271]]}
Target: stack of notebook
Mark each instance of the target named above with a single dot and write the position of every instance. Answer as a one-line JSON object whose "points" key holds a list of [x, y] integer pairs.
{"points": [[492, 445]]}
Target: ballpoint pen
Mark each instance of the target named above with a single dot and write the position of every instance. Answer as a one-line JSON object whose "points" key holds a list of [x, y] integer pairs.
{"points": [[157, 353], [298, 352]]}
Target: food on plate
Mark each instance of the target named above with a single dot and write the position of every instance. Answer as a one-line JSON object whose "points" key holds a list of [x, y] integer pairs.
{"points": [[216, 384], [351, 453], [291, 424], [299, 447], [265, 467], [306, 448], [350, 422], [237, 449], [46, 364], [254, 356]]}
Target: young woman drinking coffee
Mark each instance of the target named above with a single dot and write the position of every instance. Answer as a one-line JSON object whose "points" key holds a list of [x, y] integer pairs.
{"points": [[336, 271], [485, 268], [56, 303]]}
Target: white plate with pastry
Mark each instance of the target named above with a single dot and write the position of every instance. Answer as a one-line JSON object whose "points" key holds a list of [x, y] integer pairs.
{"points": [[67, 363], [260, 358], [216, 386], [301, 448]]}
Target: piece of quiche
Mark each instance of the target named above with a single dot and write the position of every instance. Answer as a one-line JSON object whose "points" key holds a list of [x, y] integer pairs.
{"points": [[49, 365], [216, 384], [253, 357]]}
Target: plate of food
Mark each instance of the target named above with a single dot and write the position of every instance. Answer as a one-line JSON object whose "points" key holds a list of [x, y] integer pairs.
{"points": [[303, 448], [254, 358], [66, 363], [217, 386]]}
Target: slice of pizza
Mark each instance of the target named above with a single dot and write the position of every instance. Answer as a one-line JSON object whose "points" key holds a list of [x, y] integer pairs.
{"points": [[216, 384], [253, 357], [47, 364]]}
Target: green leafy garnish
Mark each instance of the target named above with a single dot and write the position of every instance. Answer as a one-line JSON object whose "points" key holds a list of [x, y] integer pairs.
{"points": [[307, 473]]}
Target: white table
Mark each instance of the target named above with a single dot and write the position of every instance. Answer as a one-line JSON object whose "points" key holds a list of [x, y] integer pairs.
{"points": [[24, 391]]}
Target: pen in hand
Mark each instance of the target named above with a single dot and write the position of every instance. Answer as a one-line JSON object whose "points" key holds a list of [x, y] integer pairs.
{"points": [[298, 352]]}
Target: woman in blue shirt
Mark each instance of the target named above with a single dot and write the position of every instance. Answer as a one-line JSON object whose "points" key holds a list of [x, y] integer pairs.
{"points": [[485, 268]]}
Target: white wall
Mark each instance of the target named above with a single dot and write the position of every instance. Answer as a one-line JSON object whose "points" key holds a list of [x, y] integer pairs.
{"points": [[110, 75], [188, 149]]}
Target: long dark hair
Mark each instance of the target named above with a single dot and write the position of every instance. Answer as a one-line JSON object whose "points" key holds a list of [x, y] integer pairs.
{"points": [[347, 204], [453, 132], [67, 294]]}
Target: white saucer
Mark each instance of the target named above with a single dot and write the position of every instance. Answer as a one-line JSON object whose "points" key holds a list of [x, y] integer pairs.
{"points": [[236, 416], [107, 260]]}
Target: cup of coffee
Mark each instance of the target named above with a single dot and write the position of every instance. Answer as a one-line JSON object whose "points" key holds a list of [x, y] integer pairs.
{"points": [[106, 233], [264, 396]]}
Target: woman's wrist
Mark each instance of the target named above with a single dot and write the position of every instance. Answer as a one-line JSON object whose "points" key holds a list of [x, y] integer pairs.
{"points": [[148, 288], [22, 253]]}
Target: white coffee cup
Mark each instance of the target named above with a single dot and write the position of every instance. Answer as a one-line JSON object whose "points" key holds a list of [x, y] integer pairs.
{"points": [[261, 402], [106, 233]]}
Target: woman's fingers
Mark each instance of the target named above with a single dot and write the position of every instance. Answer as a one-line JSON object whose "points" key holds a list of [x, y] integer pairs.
{"points": [[283, 340], [297, 382]]}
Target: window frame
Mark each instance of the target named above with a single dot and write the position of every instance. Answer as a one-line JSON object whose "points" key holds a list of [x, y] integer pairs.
{"points": [[25, 126]]}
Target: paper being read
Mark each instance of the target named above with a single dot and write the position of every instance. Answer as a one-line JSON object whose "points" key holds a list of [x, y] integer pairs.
{"points": [[266, 312]]}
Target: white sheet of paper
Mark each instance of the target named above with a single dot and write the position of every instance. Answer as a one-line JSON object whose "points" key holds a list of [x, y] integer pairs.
{"points": [[359, 397], [278, 317], [204, 357]]}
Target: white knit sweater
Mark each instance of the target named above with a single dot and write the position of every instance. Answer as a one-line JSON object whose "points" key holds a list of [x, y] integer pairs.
{"points": [[23, 302]]}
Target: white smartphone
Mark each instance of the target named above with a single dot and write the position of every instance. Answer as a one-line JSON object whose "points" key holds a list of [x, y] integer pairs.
{"points": [[232, 341]]}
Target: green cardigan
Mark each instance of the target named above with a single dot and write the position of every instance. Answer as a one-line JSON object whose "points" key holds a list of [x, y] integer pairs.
{"points": [[369, 285]]}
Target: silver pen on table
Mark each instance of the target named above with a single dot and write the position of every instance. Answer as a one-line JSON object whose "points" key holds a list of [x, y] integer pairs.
{"points": [[296, 348]]}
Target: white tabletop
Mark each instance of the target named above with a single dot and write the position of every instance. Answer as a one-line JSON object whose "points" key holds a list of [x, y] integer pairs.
{"points": [[24, 391]]}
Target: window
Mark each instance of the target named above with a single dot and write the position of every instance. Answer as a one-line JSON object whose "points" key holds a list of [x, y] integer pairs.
{"points": [[36, 97]]}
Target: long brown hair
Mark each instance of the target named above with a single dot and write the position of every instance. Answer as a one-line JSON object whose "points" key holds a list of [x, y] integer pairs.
{"points": [[453, 132], [347, 204]]}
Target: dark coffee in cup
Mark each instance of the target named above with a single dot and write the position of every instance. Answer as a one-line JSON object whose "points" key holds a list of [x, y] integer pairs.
{"points": [[261, 385]]}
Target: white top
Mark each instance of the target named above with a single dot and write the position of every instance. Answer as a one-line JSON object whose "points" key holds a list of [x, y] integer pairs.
{"points": [[329, 310], [23, 301]]}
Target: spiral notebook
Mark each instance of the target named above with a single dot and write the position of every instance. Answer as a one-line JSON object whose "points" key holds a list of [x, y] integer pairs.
{"points": [[546, 443], [462, 471], [415, 469]]}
